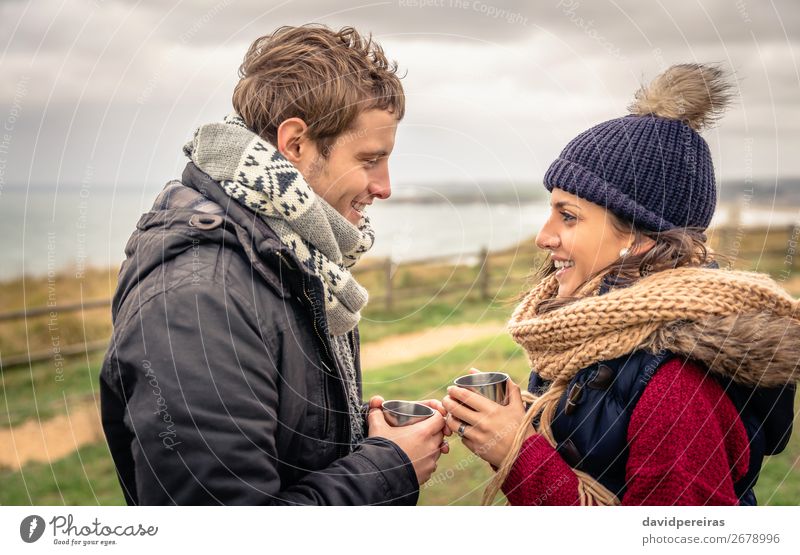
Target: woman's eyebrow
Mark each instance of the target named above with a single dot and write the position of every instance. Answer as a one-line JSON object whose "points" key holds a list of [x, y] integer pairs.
{"points": [[563, 203]]}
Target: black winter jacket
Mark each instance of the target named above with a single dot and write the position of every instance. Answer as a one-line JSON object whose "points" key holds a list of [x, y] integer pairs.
{"points": [[220, 386]]}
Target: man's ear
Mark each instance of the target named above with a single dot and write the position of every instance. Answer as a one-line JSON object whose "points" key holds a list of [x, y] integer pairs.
{"points": [[292, 139]]}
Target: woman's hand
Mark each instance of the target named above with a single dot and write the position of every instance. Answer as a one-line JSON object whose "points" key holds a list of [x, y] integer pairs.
{"points": [[490, 427]]}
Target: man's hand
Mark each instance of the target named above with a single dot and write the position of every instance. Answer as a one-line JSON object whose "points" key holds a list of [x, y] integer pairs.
{"points": [[422, 442]]}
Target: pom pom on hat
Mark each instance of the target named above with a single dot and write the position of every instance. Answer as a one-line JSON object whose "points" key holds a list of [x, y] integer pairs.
{"points": [[693, 93]]}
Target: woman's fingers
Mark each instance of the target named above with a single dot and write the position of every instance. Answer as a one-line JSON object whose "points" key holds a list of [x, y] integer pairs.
{"points": [[454, 424], [476, 401], [462, 412]]}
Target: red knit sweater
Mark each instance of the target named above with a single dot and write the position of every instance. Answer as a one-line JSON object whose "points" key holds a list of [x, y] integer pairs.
{"points": [[687, 447]]}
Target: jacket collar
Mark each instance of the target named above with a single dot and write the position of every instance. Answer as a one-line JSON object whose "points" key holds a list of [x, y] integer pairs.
{"points": [[198, 205]]}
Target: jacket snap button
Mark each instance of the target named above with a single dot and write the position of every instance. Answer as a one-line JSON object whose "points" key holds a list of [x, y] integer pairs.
{"points": [[205, 222], [574, 396], [602, 378], [570, 453]]}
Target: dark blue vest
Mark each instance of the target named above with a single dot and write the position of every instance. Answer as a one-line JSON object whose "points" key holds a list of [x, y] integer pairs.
{"points": [[592, 417]]}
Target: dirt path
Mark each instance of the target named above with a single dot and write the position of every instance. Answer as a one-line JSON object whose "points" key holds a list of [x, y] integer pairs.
{"points": [[411, 346], [51, 439], [57, 437]]}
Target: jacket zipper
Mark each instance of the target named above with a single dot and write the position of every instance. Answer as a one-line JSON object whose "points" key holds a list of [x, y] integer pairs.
{"points": [[327, 408], [326, 396], [332, 359]]}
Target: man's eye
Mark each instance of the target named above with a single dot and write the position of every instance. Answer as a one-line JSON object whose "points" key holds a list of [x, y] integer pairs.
{"points": [[370, 163]]}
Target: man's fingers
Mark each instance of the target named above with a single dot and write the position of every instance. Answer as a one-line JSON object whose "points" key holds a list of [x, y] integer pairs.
{"points": [[376, 418], [435, 404], [446, 429], [431, 426], [434, 424], [376, 402]]}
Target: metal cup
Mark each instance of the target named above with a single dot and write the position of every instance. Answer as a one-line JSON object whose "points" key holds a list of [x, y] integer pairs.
{"points": [[492, 385], [405, 413]]}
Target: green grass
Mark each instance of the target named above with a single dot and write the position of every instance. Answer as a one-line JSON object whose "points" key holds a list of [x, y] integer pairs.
{"points": [[37, 392], [442, 310], [460, 477], [779, 482], [87, 476]]}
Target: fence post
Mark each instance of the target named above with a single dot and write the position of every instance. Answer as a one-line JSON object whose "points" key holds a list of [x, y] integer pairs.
{"points": [[389, 267], [483, 275]]}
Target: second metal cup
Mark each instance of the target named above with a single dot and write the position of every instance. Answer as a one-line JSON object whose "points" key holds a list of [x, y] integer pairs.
{"points": [[405, 413], [492, 385]]}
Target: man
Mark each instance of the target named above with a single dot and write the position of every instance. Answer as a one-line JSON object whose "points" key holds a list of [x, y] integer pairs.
{"points": [[233, 375]]}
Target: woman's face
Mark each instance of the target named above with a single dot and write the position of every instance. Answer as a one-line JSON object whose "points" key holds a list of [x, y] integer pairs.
{"points": [[581, 239]]}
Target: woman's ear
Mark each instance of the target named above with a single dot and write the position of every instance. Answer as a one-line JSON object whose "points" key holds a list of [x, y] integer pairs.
{"points": [[646, 243], [291, 136]]}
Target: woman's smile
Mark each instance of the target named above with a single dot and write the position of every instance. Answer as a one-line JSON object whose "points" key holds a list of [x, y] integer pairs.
{"points": [[563, 267]]}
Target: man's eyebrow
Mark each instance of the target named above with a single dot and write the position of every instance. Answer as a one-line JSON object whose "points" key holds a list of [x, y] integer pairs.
{"points": [[374, 153], [563, 203]]}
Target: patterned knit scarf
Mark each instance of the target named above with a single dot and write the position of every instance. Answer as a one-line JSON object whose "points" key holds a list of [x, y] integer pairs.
{"points": [[653, 314], [254, 173]]}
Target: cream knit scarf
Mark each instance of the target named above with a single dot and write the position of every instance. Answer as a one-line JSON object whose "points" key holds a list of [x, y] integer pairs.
{"points": [[254, 173]]}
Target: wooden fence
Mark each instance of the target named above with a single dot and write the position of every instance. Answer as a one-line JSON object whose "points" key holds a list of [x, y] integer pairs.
{"points": [[388, 298], [729, 241]]}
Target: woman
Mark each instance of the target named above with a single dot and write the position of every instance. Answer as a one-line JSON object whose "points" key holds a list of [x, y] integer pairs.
{"points": [[658, 378]]}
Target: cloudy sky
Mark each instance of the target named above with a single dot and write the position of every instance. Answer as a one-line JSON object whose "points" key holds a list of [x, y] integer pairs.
{"points": [[108, 91]]}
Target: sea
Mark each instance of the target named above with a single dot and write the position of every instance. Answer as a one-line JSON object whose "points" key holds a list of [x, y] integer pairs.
{"points": [[48, 229]]}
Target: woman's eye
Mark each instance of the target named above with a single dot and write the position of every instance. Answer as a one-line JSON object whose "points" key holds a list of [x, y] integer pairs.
{"points": [[567, 217]]}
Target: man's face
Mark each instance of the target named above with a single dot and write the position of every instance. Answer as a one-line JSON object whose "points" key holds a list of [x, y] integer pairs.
{"points": [[356, 170]]}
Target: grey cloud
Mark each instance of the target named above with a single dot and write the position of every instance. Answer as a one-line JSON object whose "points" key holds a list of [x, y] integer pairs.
{"points": [[521, 88]]}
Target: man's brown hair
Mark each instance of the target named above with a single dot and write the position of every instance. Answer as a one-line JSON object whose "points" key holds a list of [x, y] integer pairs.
{"points": [[324, 77]]}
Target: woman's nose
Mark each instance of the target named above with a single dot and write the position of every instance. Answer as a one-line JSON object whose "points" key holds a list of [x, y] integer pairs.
{"points": [[546, 240]]}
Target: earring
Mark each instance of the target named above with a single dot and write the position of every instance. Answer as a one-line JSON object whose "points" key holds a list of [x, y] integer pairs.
{"points": [[623, 252]]}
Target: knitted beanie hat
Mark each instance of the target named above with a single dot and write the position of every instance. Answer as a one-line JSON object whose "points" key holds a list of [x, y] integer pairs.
{"points": [[651, 168]]}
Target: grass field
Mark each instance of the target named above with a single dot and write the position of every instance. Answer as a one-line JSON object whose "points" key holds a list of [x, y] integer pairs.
{"points": [[87, 476], [444, 295]]}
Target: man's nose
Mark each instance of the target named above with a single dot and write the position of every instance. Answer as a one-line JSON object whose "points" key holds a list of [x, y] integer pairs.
{"points": [[381, 187]]}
